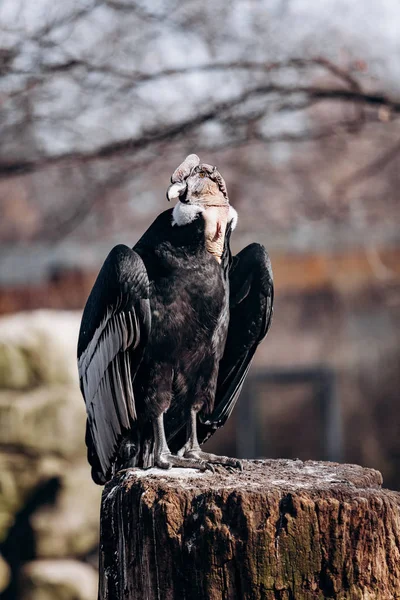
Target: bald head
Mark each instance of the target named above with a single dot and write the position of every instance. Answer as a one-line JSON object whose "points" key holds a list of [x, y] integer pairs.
{"points": [[194, 183]]}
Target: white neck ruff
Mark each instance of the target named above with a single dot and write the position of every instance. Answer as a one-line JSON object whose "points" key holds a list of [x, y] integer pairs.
{"points": [[183, 214]]}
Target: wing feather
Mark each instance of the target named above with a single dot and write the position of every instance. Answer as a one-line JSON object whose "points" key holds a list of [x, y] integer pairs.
{"points": [[251, 308], [114, 331]]}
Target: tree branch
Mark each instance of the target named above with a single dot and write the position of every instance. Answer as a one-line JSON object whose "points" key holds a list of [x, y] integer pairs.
{"points": [[370, 169], [218, 110]]}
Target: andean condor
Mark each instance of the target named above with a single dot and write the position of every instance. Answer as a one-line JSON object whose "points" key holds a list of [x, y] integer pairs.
{"points": [[169, 331]]}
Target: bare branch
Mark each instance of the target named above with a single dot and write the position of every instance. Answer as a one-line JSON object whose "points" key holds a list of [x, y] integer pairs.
{"points": [[137, 77], [218, 110], [370, 169], [53, 25]]}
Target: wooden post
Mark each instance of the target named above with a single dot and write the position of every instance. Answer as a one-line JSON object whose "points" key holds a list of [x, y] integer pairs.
{"points": [[281, 529]]}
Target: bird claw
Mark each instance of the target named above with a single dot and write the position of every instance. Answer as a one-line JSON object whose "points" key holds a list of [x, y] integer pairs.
{"points": [[233, 468], [167, 461], [226, 463], [162, 463]]}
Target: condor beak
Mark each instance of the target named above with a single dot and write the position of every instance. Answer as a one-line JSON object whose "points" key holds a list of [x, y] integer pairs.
{"points": [[178, 187], [175, 190]]}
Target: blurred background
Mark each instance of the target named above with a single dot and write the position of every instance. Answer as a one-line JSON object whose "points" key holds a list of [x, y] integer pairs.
{"points": [[298, 105]]}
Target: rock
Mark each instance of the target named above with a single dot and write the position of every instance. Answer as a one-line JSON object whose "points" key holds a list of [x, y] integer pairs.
{"points": [[46, 420], [58, 580], [15, 369], [5, 574], [49, 506], [70, 527], [279, 530], [38, 348], [21, 475]]}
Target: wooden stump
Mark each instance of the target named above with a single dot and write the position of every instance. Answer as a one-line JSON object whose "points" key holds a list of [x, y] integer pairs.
{"points": [[281, 529]]}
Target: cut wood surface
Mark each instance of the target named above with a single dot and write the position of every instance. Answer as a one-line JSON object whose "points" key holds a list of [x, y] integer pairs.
{"points": [[281, 529]]}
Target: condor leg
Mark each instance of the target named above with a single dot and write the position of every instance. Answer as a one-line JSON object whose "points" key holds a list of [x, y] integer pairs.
{"points": [[163, 457], [192, 449]]}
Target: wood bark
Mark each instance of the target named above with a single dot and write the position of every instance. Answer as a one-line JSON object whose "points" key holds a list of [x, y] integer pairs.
{"points": [[287, 530]]}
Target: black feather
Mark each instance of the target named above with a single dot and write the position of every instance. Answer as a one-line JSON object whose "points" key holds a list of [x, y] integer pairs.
{"points": [[251, 308], [114, 331], [166, 329]]}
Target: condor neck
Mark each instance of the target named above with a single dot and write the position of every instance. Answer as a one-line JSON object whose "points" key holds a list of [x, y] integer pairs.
{"points": [[214, 216]]}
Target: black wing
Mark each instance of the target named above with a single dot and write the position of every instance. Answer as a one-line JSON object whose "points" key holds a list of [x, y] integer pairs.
{"points": [[251, 306], [114, 331]]}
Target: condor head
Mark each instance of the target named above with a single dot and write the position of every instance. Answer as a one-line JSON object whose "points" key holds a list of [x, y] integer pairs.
{"points": [[200, 189], [199, 184]]}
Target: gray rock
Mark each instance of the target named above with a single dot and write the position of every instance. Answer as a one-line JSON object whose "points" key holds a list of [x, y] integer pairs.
{"points": [[4, 574], [21, 474], [58, 580], [42, 431], [46, 420], [70, 527], [38, 348]]}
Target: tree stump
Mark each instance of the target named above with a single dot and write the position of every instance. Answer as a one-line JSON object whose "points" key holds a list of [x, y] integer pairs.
{"points": [[281, 529]]}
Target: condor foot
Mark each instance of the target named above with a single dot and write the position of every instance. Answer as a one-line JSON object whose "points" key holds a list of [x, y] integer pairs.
{"points": [[166, 461], [214, 459]]}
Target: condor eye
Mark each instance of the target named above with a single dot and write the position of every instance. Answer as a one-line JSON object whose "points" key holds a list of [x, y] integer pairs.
{"points": [[202, 174]]}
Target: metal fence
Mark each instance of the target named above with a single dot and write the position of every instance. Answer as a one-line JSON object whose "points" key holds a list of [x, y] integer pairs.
{"points": [[326, 407]]}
